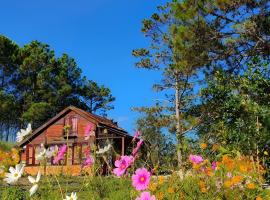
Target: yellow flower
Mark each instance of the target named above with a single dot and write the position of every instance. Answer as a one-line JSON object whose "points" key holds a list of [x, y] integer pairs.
{"points": [[196, 166], [265, 153], [152, 187], [203, 145], [161, 180], [160, 196], [202, 187], [170, 190], [227, 184], [251, 186]]}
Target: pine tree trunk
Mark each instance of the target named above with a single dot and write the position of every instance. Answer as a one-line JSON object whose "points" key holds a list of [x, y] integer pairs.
{"points": [[178, 125]]}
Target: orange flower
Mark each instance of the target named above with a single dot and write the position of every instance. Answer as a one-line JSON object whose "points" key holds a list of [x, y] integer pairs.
{"points": [[203, 145], [161, 180], [259, 198], [243, 168], [202, 187], [236, 179], [209, 171], [196, 166], [227, 184], [228, 162], [170, 190], [251, 186]]}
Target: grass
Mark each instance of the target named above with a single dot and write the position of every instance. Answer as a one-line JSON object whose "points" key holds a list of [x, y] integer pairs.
{"points": [[6, 146], [90, 188]]}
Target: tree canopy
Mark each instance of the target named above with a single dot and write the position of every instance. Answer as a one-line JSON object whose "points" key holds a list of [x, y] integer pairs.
{"points": [[35, 85]]}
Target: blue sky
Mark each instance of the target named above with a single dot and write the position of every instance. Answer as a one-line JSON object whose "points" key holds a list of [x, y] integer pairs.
{"points": [[100, 35]]}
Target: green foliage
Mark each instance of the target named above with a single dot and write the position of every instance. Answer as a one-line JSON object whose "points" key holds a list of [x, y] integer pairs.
{"points": [[158, 149], [13, 193], [235, 109], [35, 85], [6, 146]]}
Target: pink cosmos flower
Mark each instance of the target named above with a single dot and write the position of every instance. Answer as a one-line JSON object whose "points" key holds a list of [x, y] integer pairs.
{"points": [[89, 161], [137, 135], [214, 166], [141, 179], [122, 164], [136, 149], [60, 154], [87, 131], [195, 159], [146, 196]]}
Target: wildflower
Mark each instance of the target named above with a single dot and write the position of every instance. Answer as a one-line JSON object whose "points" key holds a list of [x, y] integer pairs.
{"points": [[141, 179], [15, 174], [122, 164], [243, 168], [104, 150], [146, 196], [87, 131], [214, 166], [228, 162], [152, 187], [89, 161], [202, 187], [161, 180], [227, 183], [137, 135], [203, 145], [24, 132], [236, 179], [208, 171], [73, 196], [46, 153], [136, 149], [251, 186], [195, 159], [60, 154], [160, 195], [265, 153], [34, 182], [259, 198], [229, 175], [170, 190]]}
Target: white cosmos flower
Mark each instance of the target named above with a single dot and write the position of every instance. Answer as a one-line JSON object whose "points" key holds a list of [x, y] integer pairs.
{"points": [[46, 153], [23, 132], [73, 196], [34, 181], [15, 174], [104, 150]]}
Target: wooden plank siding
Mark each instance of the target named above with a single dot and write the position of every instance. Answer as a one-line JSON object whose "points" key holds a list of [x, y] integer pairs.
{"points": [[52, 133]]}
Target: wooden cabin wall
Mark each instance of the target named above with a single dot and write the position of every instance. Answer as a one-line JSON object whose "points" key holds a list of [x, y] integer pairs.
{"points": [[54, 134]]}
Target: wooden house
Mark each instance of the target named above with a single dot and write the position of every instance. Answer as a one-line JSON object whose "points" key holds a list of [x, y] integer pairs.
{"points": [[68, 127]]}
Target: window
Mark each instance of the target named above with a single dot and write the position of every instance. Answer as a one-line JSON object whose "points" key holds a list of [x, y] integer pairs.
{"points": [[30, 155], [71, 126], [74, 125]]}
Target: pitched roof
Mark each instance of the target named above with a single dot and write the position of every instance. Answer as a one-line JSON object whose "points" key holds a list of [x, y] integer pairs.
{"points": [[101, 121]]}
